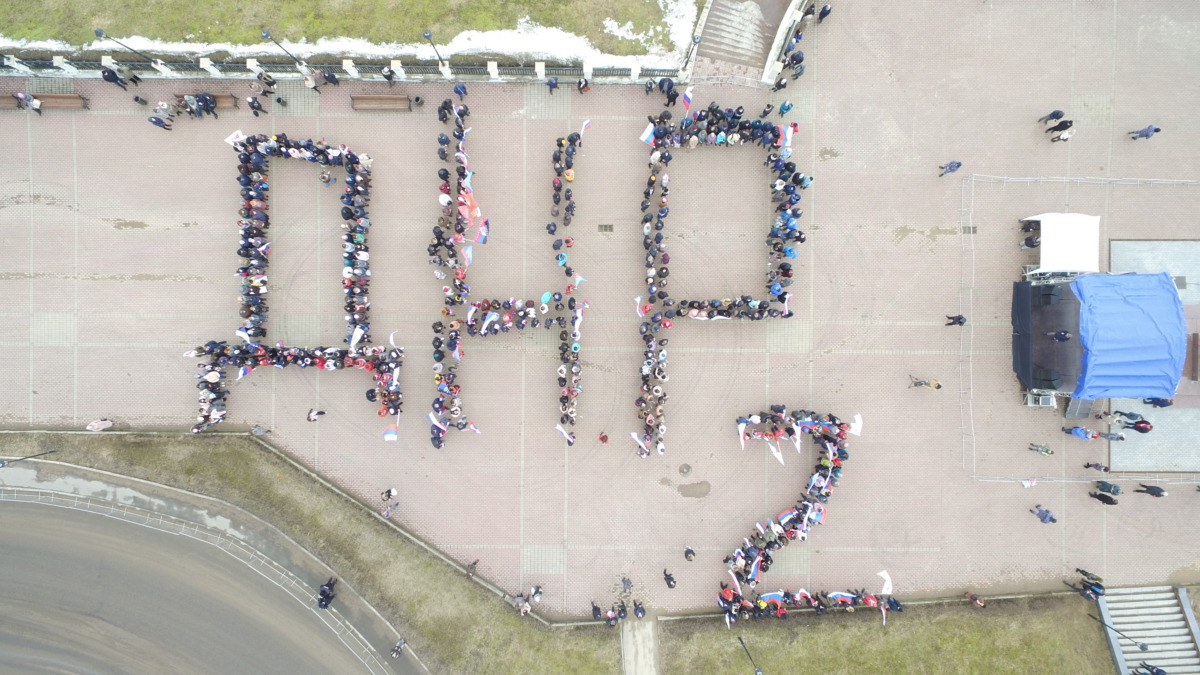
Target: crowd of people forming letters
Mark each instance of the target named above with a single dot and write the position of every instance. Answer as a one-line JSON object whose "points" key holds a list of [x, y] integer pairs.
{"points": [[254, 249], [750, 561], [459, 227], [712, 126], [451, 252]]}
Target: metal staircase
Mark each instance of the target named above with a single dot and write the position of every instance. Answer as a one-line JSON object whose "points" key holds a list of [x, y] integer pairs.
{"points": [[1160, 617]]}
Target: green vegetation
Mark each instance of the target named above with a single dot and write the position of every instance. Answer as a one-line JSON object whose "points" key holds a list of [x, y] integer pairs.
{"points": [[1037, 635], [477, 633], [385, 21]]}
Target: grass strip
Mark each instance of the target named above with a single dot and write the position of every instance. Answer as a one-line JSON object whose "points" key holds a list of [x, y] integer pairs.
{"points": [[383, 22], [1026, 635]]}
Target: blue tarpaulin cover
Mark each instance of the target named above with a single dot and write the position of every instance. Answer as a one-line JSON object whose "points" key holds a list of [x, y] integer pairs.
{"points": [[1134, 336]]}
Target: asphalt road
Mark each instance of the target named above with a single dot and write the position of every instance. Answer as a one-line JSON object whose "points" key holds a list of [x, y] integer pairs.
{"points": [[83, 593]]}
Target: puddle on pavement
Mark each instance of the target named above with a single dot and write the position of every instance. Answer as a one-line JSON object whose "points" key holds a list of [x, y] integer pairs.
{"points": [[122, 224], [695, 490]]}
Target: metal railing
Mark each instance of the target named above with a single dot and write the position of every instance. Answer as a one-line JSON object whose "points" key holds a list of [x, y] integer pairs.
{"points": [[612, 72]]}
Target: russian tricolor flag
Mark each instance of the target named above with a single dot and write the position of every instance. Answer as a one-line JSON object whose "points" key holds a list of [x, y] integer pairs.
{"points": [[392, 433], [586, 125], [785, 136], [647, 136], [687, 98], [436, 422], [468, 255]]}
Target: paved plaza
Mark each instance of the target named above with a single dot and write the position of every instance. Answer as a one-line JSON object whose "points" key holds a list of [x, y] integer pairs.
{"points": [[119, 251]]}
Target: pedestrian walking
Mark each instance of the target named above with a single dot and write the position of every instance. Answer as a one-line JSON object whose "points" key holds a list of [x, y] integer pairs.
{"points": [[110, 75], [34, 103], [313, 414], [255, 105], [552, 84], [1082, 433], [1053, 115], [1159, 402], [766, 110], [128, 74], [809, 11], [268, 82], [1106, 499], [1084, 592], [923, 384], [1151, 670], [781, 83], [257, 430], [1061, 126], [626, 584], [1040, 448], [1140, 426], [672, 96], [669, 579], [1108, 435], [389, 75], [1131, 416], [1097, 466], [461, 90], [956, 320], [1145, 133], [976, 601], [583, 85], [1044, 515], [785, 108], [1064, 136], [603, 438], [1088, 577], [1059, 336], [388, 494], [471, 569], [688, 553], [824, 13], [160, 123], [1152, 490], [1030, 242], [949, 167]]}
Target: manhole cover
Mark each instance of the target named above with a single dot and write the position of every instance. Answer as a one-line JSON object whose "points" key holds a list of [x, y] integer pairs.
{"points": [[685, 469]]}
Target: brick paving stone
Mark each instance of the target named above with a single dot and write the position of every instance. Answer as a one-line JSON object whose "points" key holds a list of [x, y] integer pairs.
{"points": [[119, 254]]}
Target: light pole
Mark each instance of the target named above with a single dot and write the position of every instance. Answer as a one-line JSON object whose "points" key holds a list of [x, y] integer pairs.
{"points": [[105, 36], [429, 36], [4, 463], [1142, 646], [267, 34], [688, 57], [757, 670]]}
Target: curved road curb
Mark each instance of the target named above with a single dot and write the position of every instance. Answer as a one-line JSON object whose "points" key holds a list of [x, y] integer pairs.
{"points": [[177, 512]]}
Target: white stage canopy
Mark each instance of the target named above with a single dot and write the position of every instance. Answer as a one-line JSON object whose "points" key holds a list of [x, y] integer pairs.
{"points": [[1070, 242]]}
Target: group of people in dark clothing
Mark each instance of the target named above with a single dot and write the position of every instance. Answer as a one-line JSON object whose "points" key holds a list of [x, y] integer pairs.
{"points": [[461, 226], [254, 249], [715, 126]]}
